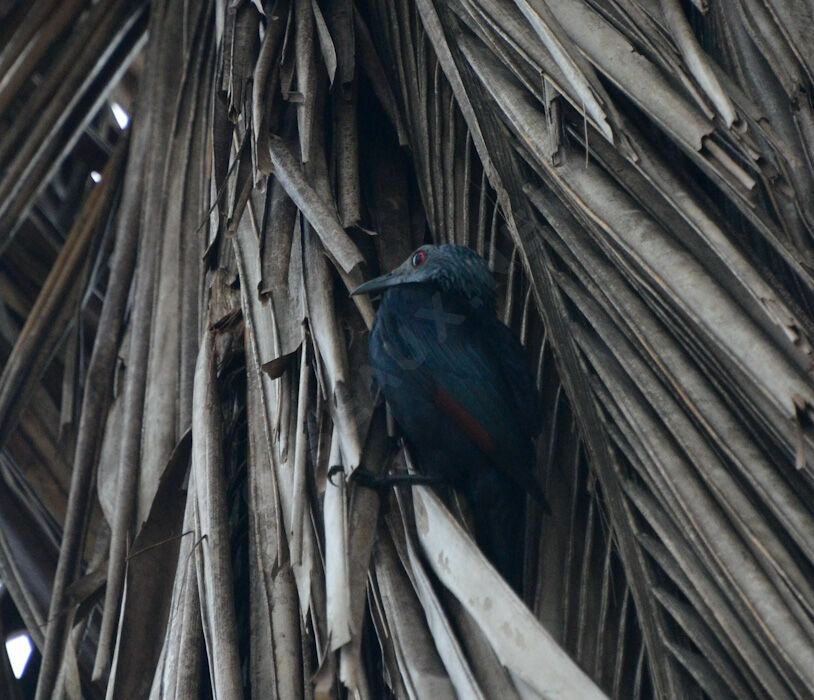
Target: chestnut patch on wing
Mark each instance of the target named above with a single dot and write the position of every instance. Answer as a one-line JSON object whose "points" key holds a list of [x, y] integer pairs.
{"points": [[464, 420]]}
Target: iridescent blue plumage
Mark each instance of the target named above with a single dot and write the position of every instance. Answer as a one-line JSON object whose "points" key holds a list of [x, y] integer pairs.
{"points": [[458, 385]]}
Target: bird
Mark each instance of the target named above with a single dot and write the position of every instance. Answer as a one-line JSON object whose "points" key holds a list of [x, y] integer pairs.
{"points": [[458, 385]]}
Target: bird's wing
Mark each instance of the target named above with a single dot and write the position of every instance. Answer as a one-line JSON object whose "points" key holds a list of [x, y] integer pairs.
{"points": [[509, 354], [452, 362]]}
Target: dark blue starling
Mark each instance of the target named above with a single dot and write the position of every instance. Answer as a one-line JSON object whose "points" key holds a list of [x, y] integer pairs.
{"points": [[458, 384]]}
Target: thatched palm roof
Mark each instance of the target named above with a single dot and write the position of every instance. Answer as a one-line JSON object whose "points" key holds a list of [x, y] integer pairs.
{"points": [[182, 361]]}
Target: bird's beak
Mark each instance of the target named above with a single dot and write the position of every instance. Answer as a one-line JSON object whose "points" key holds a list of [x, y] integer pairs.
{"points": [[377, 284]]}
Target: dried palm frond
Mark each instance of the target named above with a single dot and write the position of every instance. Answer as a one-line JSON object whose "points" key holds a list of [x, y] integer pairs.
{"points": [[637, 176]]}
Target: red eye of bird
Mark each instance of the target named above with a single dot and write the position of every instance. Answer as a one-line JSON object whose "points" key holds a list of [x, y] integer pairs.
{"points": [[419, 257]]}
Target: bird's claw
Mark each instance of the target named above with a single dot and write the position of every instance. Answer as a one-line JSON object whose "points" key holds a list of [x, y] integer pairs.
{"points": [[333, 471]]}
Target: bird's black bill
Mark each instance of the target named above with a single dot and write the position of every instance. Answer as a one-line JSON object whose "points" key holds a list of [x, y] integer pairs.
{"points": [[377, 284]]}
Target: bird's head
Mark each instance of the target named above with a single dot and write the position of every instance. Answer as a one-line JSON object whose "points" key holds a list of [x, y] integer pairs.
{"points": [[451, 268]]}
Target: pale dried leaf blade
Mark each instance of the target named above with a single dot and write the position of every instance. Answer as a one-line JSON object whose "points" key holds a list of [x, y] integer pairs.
{"points": [[215, 568], [519, 640]]}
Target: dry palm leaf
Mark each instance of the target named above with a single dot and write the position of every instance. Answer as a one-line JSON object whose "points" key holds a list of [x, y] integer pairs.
{"points": [[637, 176]]}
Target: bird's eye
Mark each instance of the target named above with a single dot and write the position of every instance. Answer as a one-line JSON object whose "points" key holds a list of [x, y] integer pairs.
{"points": [[418, 258]]}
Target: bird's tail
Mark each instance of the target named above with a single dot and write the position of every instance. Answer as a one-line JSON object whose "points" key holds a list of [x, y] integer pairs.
{"points": [[498, 507]]}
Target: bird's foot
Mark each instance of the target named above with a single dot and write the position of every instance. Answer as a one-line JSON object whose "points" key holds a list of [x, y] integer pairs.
{"points": [[333, 471], [369, 479]]}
